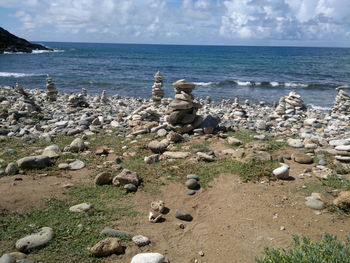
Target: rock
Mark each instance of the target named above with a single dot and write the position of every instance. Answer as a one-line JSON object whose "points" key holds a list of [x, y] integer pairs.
{"points": [[191, 192], [343, 148], [149, 258], [107, 247], [205, 157], [34, 162], [192, 184], [51, 151], [101, 151], [115, 233], [342, 158], [314, 203], [76, 165], [130, 188], [295, 143], [158, 147], [140, 240], [155, 217], [158, 206], [7, 258], [192, 176], [233, 141], [63, 166], [11, 169], [281, 172], [339, 142], [25, 261], [177, 155], [80, 207], [103, 178], [18, 255], [174, 137], [322, 162], [126, 177], [162, 132], [302, 158], [343, 200], [183, 215], [151, 159], [77, 145], [35, 241]]}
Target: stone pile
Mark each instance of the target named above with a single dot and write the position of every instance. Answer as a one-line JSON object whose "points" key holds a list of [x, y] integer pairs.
{"points": [[84, 92], [290, 106], [342, 149], [238, 112], [342, 102], [157, 88], [181, 115], [20, 90], [77, 100], [103, 98], [51, 94]]}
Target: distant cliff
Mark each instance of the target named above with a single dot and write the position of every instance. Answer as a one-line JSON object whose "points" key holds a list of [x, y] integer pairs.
{"points": [[12, 43]]}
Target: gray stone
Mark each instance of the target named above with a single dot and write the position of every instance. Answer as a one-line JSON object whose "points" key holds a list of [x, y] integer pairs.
{"points": [[183, 215], [177, 155], [130, 188], [151, 159], [205, 157], [77, 145], [158, 146], [281, 172], [192, 176], [191, 192], [34, 162], [302, 158], [162, 132], [63, 166], [103, 178], [76, 165], [322, 162], [18, 255], [35, 241], [11, 169], [115, 233], [295, 143], [7, 258], [80, 208], [314, 203], [51, 151], [140, 240], [343, 148], [149, 258], [192, 184], [181, 104], [233, 141], [126, 177], [107, 247]]}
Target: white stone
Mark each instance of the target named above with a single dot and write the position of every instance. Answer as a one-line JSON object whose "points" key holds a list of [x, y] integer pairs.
{"points": [[35, 240], [149, 258], [343, 148], [281, 172], [80, 207]]}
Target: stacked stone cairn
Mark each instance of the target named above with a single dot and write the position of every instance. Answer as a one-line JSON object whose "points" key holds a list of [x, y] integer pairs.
{"points": [[103, 97], [84, 92], [157, 88], [51, 94], [341, 150], [238, 112], [290, 106], [181, 114], [342, 102], [77, 100]]}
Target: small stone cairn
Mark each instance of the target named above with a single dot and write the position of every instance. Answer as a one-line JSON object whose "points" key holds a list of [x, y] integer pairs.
{"points": [[84, 92], [51, 94], [103, 97], [77, 100], [290, 106], [342, 102], [181, 115], [157, 88], [238, 112], [20, 90]]}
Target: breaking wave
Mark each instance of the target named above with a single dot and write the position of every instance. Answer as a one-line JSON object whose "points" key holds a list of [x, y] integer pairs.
{"points": [[18, 75]]}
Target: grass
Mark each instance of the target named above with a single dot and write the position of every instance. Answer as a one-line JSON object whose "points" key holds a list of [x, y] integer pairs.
{"points": [[73, 232], [328, 250]]}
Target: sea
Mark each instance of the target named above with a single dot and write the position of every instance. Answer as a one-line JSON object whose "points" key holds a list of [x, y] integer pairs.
{"points": [[256, 73]]}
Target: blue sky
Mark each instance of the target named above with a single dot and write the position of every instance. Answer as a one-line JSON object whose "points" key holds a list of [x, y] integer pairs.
{"points": [[207, 22]]}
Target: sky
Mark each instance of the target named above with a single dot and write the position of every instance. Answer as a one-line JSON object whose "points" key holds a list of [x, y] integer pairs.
{"points": [[197, 22]]}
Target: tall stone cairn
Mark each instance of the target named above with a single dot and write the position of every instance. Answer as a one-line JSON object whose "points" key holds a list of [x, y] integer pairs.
{"points": [[20, 90], [181, 114], [51, 94], [103, 97], [342, 102], [83, 92], [157, 88], [290, 106]]}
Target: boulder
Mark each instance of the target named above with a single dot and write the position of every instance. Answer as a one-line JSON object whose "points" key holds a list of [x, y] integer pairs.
{"points": [[302, 158], [107, 247], [35, 241], [343, 200], [158, 146], [183, 215], [80, 208], [77, 145], [103, 178], [11, 169], [34, 162], [126, 177]]}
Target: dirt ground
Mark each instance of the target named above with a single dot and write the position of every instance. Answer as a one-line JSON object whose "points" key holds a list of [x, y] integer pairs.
{"points": [[232, 221]]}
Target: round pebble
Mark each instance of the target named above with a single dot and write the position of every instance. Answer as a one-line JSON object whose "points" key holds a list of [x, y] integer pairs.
{"points": [[140, 240]]}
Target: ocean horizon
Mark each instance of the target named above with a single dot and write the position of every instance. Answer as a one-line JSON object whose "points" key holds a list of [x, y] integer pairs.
{"points": [[222, 72]]}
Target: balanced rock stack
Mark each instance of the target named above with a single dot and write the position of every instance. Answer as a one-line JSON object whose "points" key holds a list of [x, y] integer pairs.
{"points": [[342, 102], [51, 94], [181, 115], [238, 112], [84, 92], [20, 90], [342, 149], [77, 100], [290, 105], [103, 98], [157, 88]]}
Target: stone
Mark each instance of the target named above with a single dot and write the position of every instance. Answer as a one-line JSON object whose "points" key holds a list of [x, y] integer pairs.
{"points": [[51, 151], [155, 217], [7, 258], [34, 162], [24, 261], [281, 172], [107, 247], [140, 240], [183, 215], [18, 255], [76, 165], [80, 208], [339, 142], [295, 143], [158, 146], [35, 240], [126, 177], [181, 104], [116, 233], [302, 158], [151, 159], [174, 137], [103, 178], [233, 141], [342, 158], [158, 206], [63, 166], [192, 176], [205, 157], [149, 258], [343, 200], [343, 148], [130, 188], [191, 192], [314, 203], [11, 169], [192, 184], [177, 155], [162, 132], [77, 145]]}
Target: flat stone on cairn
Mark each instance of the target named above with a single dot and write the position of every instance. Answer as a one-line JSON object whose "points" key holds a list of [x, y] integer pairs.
{"points": [[342, 102], [51, 94], [157, 88], [181, 115], [290, 105]]}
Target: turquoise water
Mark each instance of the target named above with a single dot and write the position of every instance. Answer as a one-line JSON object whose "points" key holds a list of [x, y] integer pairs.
{"points": [[256, 73]]}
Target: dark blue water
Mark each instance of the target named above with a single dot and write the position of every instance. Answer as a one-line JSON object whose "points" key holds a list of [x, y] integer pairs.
{"points": [[256, 73]]}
